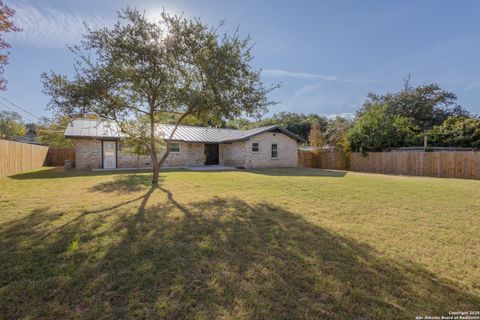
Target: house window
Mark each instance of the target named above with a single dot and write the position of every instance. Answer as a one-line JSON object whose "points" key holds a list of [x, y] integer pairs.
{"points": [[255, 147], [174, 147], [274, 151]]}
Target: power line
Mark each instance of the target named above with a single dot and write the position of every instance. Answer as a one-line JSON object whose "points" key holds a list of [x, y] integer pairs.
{"points": [[11, 109], [20, 108]]}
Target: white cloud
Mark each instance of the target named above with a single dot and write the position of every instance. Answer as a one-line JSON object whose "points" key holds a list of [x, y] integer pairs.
{"points": [[348, 115], [472, 86], [325, 97], [277, 73], [47, 27]]}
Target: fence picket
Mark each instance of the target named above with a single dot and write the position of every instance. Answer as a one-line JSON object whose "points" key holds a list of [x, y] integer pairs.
{"points": [[17, 157], [447, 164]]}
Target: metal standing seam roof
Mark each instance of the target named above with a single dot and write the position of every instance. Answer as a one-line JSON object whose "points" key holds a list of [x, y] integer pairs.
{"points": [[85, 128]]}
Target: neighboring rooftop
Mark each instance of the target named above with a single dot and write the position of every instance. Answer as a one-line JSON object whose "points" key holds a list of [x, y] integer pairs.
{"points": [[30, 139], [85, 128]]}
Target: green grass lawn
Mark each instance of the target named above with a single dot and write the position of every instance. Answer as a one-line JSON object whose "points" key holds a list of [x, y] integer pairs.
{"points": [[260, 244]]}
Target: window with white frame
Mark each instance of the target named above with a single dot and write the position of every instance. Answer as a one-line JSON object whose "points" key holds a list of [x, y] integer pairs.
{"points": [[255, 147], [174, 146], [274, 151]]}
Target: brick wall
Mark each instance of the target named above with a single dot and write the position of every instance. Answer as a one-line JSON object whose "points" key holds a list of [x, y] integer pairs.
{"points": [[127, 160], [233, 154], [88, 154], [237, 154], [286, 146], [191, 154], [195, 154]]}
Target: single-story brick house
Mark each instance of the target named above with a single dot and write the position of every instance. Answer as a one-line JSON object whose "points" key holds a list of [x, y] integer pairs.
{"points": [[98, 144]]}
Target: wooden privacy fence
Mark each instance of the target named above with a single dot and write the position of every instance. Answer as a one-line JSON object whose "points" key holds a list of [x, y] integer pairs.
{"points": [[57, 156], [17, 157], [324, 160], [445, 164]]}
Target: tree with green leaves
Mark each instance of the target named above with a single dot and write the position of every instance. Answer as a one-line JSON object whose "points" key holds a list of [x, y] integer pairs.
{"points": [[239, 123], [51, 132], [140, 69], [425, 106], [457, 132], [11, 124], [6, 26], [336, 132], [297, 123], [191, 120], [316, 137], [377, 129]]}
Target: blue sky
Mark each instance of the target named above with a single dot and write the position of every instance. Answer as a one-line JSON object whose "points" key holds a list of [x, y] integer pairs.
{"points": [[327, 54]]}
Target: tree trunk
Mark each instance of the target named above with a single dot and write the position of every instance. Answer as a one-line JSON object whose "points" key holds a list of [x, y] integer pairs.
{"points": [[164, 157], [153, 151], [153, 154], [167, 151], [156, 174]]}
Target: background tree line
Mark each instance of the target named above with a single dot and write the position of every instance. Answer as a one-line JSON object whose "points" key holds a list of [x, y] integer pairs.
{"points": [[401, 119], [425, 115], [47, 130]]}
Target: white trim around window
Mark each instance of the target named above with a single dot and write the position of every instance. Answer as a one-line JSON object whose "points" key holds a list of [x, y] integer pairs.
{"points": [[255, 147], [174, 147], [274, 151]]}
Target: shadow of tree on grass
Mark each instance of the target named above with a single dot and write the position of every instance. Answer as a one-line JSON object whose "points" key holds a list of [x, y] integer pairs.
{"points": [[125, 183], [221, 258], [59, 172]]}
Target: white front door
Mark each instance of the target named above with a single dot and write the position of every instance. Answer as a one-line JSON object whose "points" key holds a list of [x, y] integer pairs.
{"points": [[109, 154]]}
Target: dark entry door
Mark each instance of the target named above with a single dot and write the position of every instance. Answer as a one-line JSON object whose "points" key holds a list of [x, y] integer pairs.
{"points": [[211, 152]]}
